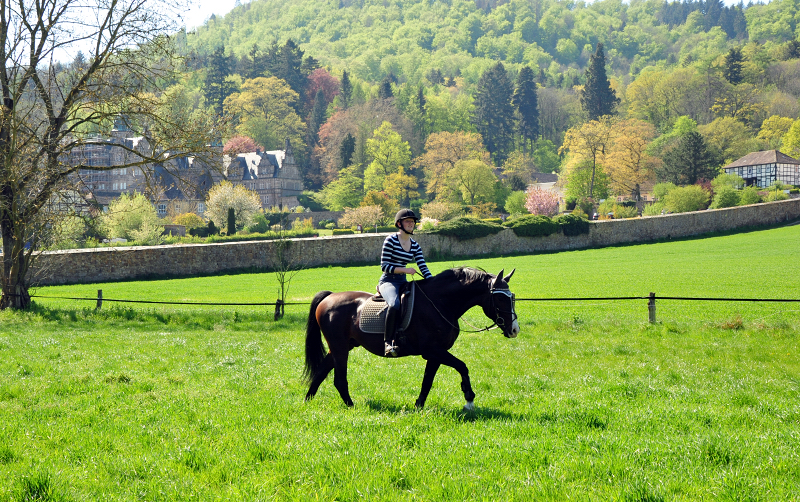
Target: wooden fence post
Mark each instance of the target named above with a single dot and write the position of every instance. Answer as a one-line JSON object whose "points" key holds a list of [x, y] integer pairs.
{"points": [[99, 299], [278, 309], [651, 307]]}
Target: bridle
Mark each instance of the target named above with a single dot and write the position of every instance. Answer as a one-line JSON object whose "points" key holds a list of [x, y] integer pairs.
{"points": [[499, 322]]}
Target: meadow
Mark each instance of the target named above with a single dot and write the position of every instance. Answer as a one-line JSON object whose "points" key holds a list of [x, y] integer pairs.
{"points": [[159, 402]]}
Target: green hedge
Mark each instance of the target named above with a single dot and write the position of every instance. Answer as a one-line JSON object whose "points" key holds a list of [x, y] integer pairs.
{"points": [[532, 226], [572, 225], [466, 228], [342, 231]]}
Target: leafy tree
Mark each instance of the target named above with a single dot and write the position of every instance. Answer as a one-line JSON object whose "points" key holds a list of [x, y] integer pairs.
{"points": [[442, 152], [527, 107], [240, 144], [598, 98], [727, 180], [287, 63], [772, 131], [689, 161], [346, 190], [627, 162], [734, 61], [515, 203], [494, 113], [730, 137], [588, 144], [749, 195], [127, 215], [265, 112], [585, 178], [790, 142], [52, 113], [366, 216], [189, 220], [541, 202], [473, 180], [388, 152], [381, 199], [401, 187], [321, 80], [441, 210], [225, 195]]}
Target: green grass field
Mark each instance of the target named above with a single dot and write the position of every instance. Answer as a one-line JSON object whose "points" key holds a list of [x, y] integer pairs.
{"points": [[156, 402]]}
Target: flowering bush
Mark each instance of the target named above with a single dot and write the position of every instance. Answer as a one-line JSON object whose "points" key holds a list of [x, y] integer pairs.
{"points": [[366, 216], [541, 202], [428, 223]]}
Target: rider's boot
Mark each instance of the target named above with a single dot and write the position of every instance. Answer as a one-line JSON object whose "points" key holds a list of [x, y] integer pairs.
{"points": [[390, 348]]}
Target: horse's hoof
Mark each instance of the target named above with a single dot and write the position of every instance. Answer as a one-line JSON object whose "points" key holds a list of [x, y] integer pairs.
{"points": [[470, 406]]}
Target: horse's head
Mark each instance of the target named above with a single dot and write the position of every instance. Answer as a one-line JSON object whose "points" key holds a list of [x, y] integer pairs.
{"points": [[501, 307]]}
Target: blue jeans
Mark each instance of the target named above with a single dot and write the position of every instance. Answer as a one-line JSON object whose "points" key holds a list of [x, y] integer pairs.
{"points": [[389, 291]]}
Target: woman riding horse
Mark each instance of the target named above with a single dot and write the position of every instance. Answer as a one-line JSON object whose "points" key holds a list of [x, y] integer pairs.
{"points": [[433, 329], [398, 250]]}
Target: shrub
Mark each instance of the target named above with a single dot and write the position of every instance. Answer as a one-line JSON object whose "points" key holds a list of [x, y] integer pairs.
{"points": [[749, 196], [130, 213], [206, 231], [662, 189], [572, 225], [515, 203], [727, 180], [330, 226], [493, 220], [224, 195], [189, 220], [366, 216], [685, 199], [427, 224], [466, 228], [343, 231], [726, 196], [324, 223], [773, 195], [259, 225], [532, 226], [653, 209], [623, 211]]}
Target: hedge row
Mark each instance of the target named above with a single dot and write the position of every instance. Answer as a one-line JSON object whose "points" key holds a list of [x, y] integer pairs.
{"points": [[466, 228]]}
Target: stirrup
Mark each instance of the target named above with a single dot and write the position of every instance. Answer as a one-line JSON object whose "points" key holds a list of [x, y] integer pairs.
{"points": [[389, 349]]}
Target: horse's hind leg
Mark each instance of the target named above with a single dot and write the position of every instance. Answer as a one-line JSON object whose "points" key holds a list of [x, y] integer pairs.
{"points": [[340, 375], [322, 374]]}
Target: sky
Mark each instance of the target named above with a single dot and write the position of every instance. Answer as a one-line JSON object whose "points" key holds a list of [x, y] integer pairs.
{"points": [[201, 10]]}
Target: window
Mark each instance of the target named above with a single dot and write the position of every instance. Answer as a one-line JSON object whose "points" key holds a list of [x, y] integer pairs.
{"points": [[177, 208], [115, 186], [201, 207], [162, 209]]}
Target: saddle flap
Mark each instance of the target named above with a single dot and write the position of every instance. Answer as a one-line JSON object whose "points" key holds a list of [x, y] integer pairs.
{"points": [[372, 315]]}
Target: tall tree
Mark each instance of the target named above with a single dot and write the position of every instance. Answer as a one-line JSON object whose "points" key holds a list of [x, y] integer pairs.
{"points": [[443, 150], [346, 149], [346, 88], [527, 104], [51, 115], [217, 70], [385, 89], [689, 161], [734, 63], [317, 117], [494, 113], [286, 62], [587, 145], [598, 98]]}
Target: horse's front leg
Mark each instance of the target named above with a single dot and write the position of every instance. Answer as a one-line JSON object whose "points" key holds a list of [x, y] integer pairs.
{"points": [[427, 382], [441, 356]]}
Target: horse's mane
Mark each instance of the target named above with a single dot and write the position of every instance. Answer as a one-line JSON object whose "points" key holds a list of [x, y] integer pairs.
{"points": [[465, 275]]}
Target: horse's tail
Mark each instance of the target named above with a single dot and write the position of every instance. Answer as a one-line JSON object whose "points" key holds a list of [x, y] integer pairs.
{"points": [[315, 350]]}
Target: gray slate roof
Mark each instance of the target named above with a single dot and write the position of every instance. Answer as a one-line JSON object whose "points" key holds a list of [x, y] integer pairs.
{"points": [[763, 157]]}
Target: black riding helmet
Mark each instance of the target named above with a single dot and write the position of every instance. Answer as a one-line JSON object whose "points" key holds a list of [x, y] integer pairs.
{"points": [[404, 214]]}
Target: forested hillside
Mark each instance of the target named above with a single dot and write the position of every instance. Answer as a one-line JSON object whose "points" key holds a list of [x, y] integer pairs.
{"points": [[410, 100]]}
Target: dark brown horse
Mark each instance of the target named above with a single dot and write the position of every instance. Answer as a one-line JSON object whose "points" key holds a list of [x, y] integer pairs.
{"points": [[440, 302]]}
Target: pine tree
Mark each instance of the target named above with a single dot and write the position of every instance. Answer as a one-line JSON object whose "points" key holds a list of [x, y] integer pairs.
{"points": [[598, 98], [527, 104], [216, 71], [689, 161], [494, 113], [385, 89], [734, 62], [317, 117], [347, 89], [346, 150]]}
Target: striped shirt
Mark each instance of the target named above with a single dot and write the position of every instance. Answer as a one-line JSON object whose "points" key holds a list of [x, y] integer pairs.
{"points": [[393, 256]]}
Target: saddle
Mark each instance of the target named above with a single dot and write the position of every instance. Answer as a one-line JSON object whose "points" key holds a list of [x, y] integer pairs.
{"points": [[372, 314]]}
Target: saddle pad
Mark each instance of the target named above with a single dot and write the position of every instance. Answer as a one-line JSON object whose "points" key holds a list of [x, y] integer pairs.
{"points": [[372, 317]]}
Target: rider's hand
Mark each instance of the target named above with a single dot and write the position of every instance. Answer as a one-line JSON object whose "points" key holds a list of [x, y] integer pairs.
{"points": [[410, 271]]}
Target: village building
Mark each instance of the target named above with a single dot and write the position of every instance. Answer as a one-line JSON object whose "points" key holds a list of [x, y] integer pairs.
{"points": [[274, 175], [764, 168]]}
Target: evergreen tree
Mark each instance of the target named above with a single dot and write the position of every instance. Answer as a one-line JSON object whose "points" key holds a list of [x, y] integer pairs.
{"points": [[385, 89], [217, 70], [494, 113], [346, 150], [598, 98], [286, 63], [317, 117], [734, 62], [689, 161], [527, 104], [421, 99], [347, 89]]}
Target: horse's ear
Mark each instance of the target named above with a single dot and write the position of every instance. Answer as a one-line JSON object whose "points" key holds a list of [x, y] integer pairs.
{"points": [[498, 278], [508, 277]]}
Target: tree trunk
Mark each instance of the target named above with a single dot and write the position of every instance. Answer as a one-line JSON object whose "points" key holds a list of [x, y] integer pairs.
{"points": [[15, 267]]}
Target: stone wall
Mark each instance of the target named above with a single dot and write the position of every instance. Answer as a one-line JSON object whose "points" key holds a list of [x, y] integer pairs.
{"points": [[113, 264]]}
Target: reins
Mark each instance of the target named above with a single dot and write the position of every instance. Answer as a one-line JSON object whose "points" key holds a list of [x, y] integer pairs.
{"points": [[487, 328]]}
